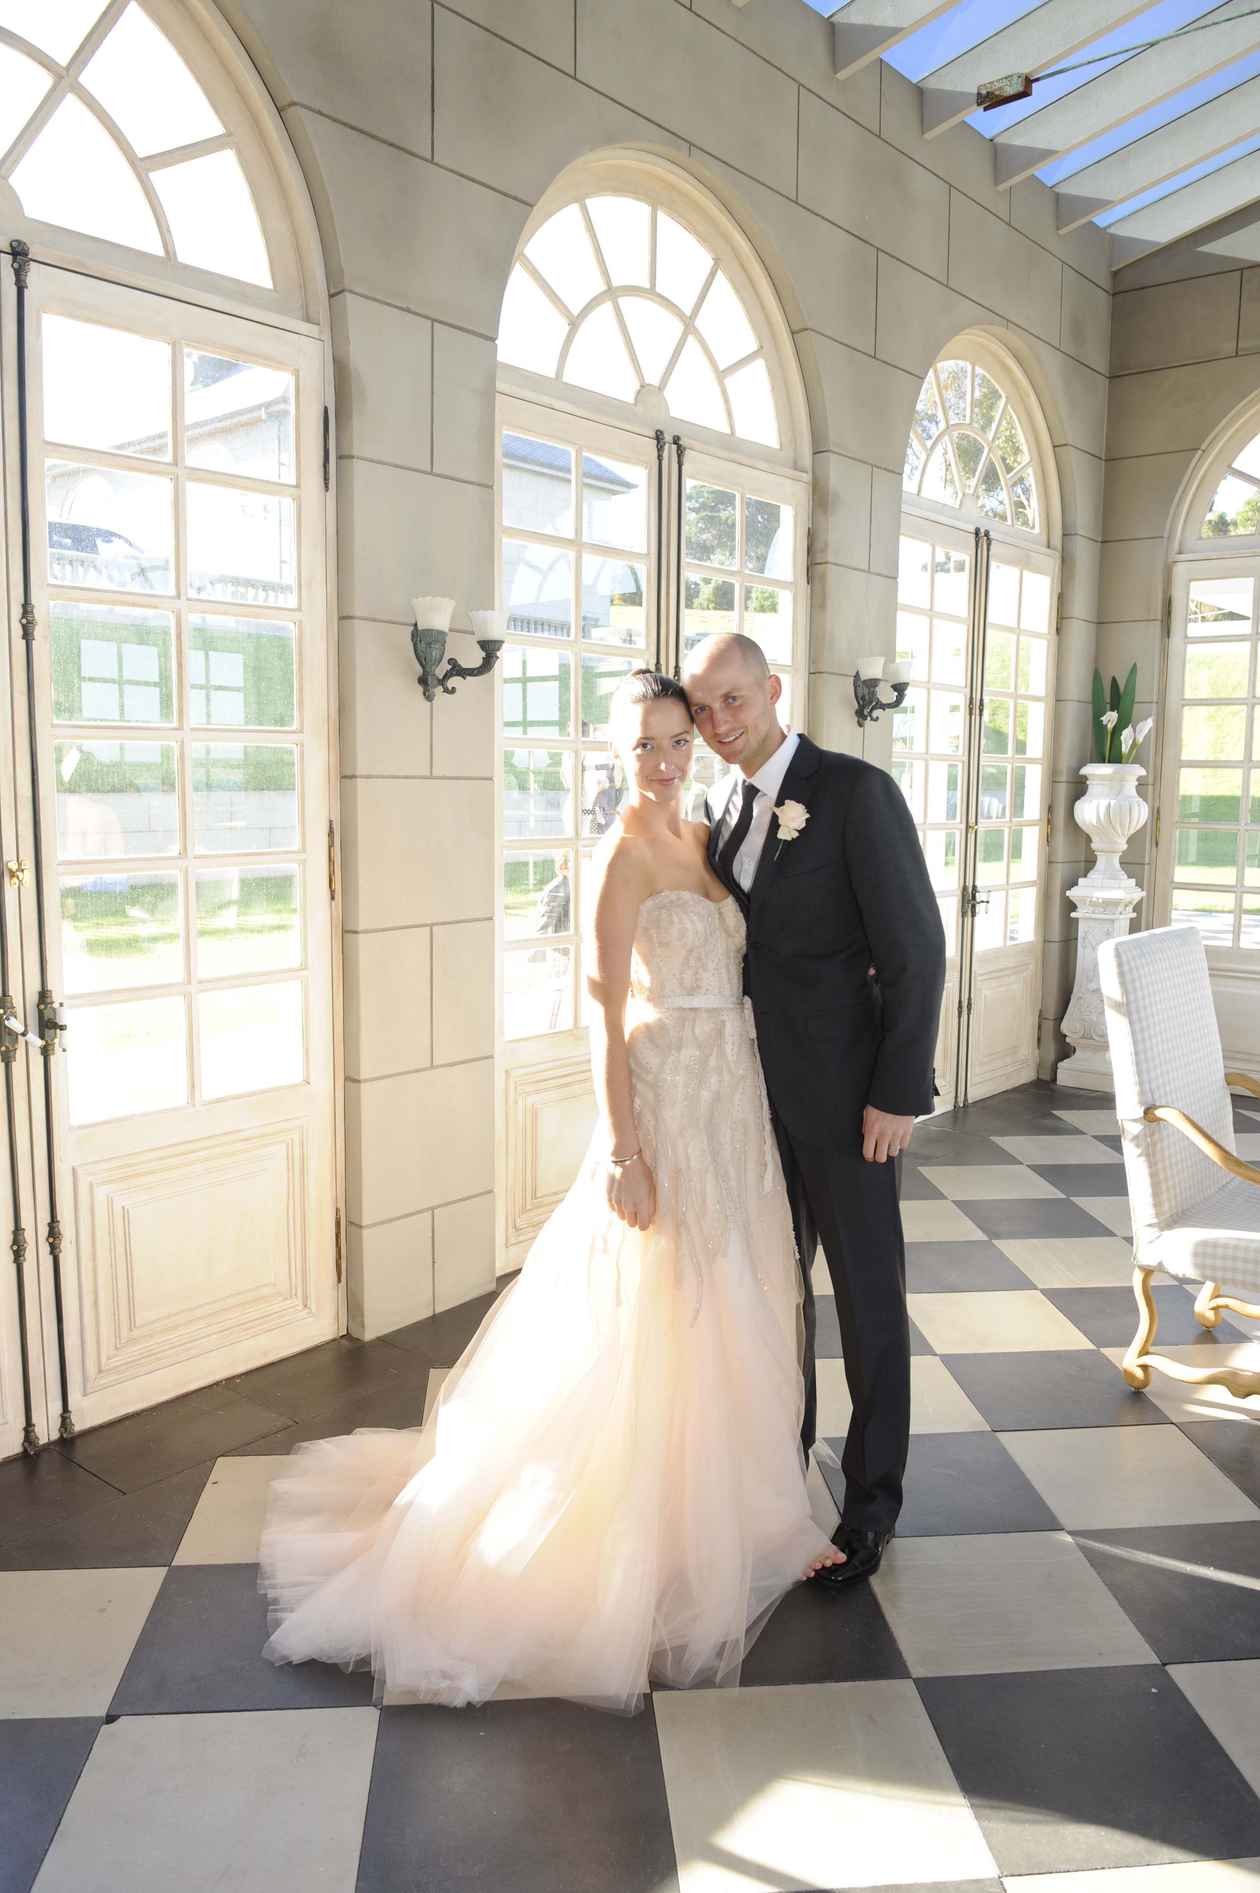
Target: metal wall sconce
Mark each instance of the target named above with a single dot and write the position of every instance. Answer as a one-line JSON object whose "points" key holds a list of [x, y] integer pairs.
{"points": [[870, 673], [428, 641]]}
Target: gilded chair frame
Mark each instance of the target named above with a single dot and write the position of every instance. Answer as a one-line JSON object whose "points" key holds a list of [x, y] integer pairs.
{"points": [[1210, 1302]]}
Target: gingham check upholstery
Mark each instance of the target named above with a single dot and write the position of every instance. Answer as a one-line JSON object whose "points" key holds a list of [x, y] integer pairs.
{"points": [[1188, 1218]]}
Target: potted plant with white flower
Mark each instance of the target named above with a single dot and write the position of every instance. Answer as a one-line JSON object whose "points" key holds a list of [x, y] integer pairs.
{"points": [[1111, 811]]}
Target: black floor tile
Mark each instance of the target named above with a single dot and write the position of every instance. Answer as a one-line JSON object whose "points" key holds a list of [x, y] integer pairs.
{"points": [[1233, 1446], [1068, 1770], [1109, 1316], [1083, 1179], [1030, 1390], [1007, 1218], [940, 1268], [128, 1528], [818, 1636], [397, 1403], [535, 1797], [1192, 1590], [960, 1483], [48, 1486], [443, 1338], [170, 1438], [307, 1383], [40, 1763], [199, 1651]]}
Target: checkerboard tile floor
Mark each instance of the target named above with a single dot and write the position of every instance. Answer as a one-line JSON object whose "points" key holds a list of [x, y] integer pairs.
{"points": [[1051, 1685]]}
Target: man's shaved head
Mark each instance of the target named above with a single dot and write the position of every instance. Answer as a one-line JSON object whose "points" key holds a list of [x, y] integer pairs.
{"points": [[734, 696], [725, 644]]}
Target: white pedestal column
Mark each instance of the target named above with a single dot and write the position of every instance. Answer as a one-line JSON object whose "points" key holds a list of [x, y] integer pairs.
{"points": [[1110, 812]]}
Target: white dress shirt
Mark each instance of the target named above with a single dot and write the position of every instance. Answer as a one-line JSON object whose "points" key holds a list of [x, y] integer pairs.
{"points": [[769, 780]]}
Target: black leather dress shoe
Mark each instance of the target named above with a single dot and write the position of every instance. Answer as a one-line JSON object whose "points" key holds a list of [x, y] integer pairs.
{"points": [[863, 1551]]}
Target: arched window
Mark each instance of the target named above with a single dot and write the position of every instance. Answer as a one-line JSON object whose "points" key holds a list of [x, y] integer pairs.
{"points": [[1233, 512], [1207, 853], [616, 295], [653, 488], [968, 450], [118, 123], [976, 598]]}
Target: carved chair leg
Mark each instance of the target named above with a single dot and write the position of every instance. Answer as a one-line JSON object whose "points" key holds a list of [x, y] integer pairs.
{"points": [[1135, 1372], [1205, 1313]]}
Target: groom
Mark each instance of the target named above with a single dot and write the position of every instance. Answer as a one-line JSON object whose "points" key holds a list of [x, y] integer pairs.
{"points": [[822, 854]]}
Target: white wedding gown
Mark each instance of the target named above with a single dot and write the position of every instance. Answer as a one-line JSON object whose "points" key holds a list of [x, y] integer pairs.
{"points": [[610, 1489]]}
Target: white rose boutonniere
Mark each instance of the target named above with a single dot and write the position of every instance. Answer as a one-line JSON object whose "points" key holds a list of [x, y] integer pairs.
{"points": [[792, 817]]}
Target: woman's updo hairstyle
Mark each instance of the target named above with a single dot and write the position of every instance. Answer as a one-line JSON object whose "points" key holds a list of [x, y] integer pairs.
{"points": [[647, 686]]}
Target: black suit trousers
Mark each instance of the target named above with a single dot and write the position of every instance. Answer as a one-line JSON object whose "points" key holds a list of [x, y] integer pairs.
{"points": [[852, 1208]]}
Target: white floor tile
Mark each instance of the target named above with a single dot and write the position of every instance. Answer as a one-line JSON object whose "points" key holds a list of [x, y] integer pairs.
{"points": [[1110, 1477], [67, 1635], [926, 1221], [1247, 1145], [1072, 1261], [987, 1182], [1183, 1402], [436, 1376], [937, 1403], [1049, 1150], [251, 1801], [1111, 1211], [974, 1606], [1226, 1696], [840, 1785], [821, 1504], [1095, 1123], [996, 1321], [227, 1524]]}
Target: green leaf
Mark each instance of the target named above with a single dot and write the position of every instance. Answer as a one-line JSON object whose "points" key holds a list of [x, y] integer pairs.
{"points": [[1100, 704], [1127, 696]]}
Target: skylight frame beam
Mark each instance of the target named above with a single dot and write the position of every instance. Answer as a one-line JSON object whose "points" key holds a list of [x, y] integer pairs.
{"points": [[864, 30], [1133, 86], [1182, 212], [1199, 133], [1055, 30]]}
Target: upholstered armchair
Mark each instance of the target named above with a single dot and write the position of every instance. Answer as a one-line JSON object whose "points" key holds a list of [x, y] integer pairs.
{"points": [[1195, 1204]]}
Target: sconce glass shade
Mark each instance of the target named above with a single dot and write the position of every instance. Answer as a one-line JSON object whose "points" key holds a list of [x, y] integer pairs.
{"points": [[488, 626], [432, 613], [870, 667]]}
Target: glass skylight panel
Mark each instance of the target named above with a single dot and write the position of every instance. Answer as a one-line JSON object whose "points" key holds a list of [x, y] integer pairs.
{"points": [[623, 229], [147, 89], [74, 174], [1169, 185], [561, 253], [57, 27], [956, 32], [1201, 93], [213, 217]]}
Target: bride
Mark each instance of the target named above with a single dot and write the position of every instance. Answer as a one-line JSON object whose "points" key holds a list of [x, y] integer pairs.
{"points": [[610, 1489]]}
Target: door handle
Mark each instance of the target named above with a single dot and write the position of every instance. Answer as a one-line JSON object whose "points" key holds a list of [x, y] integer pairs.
{"points": [[13, 1025]]}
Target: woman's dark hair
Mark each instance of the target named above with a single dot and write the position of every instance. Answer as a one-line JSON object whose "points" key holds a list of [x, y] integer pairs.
{"points": [[649, 686]]}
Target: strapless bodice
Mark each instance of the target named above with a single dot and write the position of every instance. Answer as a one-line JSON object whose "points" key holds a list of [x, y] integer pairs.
{"points": [[688, 952]]}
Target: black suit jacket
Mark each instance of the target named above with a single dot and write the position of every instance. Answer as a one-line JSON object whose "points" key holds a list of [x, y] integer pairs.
{"points": [[850, 890]]}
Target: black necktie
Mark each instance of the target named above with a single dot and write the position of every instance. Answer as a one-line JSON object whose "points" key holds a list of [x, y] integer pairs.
{"points": [[735, 840]]}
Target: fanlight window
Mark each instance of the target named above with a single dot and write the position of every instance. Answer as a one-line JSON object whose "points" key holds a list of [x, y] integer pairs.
{"points": [[967, 448], [615, 295], [104, 130], [1234, 512]]}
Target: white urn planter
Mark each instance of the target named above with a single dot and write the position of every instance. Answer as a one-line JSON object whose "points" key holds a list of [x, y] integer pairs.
{"points": [[1111, 812]]}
